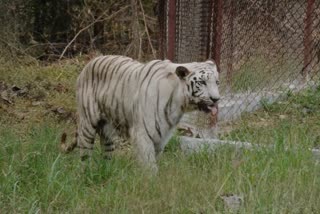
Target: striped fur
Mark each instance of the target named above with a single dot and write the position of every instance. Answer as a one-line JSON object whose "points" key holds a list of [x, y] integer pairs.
{"points": [[119, 98]]}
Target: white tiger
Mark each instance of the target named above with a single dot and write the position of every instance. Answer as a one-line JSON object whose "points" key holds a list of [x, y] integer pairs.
{"points": [[118, 97]]}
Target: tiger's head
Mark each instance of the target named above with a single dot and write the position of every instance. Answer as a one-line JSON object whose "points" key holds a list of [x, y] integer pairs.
{"points": [[202, 81]]}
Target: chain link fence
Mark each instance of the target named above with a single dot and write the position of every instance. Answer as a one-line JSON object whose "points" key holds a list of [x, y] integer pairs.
{"points": [[263, 48]]}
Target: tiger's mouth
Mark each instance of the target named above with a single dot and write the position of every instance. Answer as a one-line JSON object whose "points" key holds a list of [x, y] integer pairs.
{"points": [[208, 108]]}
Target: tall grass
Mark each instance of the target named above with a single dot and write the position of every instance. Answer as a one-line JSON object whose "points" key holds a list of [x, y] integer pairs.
{"points": [[36, 178]]}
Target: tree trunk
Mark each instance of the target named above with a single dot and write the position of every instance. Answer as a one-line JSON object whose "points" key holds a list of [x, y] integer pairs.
{"points": [[136, 42]]}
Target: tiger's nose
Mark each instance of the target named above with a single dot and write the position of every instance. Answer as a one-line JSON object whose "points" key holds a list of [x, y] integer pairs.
{"points": [[214, 99]]}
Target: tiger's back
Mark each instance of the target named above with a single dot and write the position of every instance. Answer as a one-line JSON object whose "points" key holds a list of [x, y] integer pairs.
{"points": [[109, 88], [101, 84]]}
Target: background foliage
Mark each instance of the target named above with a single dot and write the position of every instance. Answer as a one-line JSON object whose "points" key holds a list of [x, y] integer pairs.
{"points": [[43, 28]]}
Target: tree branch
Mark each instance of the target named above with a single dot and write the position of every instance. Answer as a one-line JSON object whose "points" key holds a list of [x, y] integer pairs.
{"points": [[146, 29], [99, 19]]}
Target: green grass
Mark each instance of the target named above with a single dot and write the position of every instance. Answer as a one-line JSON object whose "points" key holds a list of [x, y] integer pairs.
{"points": [[35, 177], [294, 121]]}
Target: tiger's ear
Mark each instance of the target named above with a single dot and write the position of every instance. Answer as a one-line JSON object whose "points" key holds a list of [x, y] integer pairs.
{"points": [[182, 72], [210, 61]]}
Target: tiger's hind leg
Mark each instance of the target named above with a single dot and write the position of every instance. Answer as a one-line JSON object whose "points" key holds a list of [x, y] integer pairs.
{"points": [[108, 139], [107, 147], [85, 139]]}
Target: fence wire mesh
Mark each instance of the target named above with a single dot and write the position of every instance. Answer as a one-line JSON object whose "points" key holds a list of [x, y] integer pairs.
{"points": [[263, 48]]}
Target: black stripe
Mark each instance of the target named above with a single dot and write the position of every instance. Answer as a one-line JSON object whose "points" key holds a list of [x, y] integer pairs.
{"points": [[166, 109], [145, 127], [193, 92], [117, 112], [122, 104], [115, 68], [126, 131], [82, 85], [158, 98], [109, 149], [149, 70], [94, 88], [100, 72], [141, 71], [125, 70], [157, 125], [96, 98], [82, 103], [129, 76], [122, 97], [136, 71], [138, 74], [155, 71], [134, 107], [113, 71], [119, 81], [85, 135], [108, 142], [96, 74], [104, 81], [85, 130], [106, 69], [103, 64], [126, 82], [192, 75], [88, 139], [93, 70], [157, 117], [123, 89], [89, 118], [82, 147]]}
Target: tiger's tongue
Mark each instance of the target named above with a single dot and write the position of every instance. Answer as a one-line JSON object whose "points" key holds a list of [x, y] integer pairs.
{"points": [[214, 110]]}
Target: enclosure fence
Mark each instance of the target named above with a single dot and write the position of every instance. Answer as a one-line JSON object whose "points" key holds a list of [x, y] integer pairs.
{"points": [[263, 48]]}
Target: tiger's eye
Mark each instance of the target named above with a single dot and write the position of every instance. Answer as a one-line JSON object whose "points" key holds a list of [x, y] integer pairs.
{"points": [[217, 82]]}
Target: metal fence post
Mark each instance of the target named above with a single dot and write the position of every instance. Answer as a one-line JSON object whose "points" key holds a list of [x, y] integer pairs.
{"points": [[171, 30], [217, 30], [232, 12], [209, 29], [308, 39], [162, 18]]}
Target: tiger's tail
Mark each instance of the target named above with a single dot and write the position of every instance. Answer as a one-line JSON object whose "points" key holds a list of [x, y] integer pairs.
{"points": [[67, 148]]}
